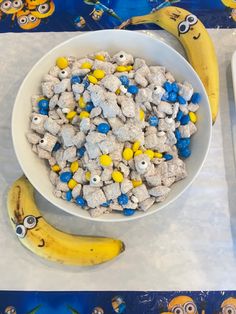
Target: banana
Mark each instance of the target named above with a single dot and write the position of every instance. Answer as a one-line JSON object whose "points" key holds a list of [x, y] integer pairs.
{"points": [[192, 34], [46, 241]]}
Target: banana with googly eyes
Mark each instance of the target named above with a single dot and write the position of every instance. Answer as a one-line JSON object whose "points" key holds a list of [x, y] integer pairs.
{"points": [[46, 241], [199, 48]]}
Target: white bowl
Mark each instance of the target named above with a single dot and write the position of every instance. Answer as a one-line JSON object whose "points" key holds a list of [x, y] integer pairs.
{"points": [[140, 45]]}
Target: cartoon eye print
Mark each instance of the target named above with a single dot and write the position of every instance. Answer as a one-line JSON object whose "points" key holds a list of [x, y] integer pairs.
{"points": [[178, 310], [191, 19], [6, 5], [21, 231], [24, 20], [183, 27], [32, 18], [43, 8], [17, 4], [190, 308], [30, 222], [228, 310]]}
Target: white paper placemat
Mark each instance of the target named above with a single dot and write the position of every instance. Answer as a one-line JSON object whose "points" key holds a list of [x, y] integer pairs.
{"points": [[188, 246]]}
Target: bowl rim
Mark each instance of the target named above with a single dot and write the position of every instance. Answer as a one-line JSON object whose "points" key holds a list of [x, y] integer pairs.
{"points": [[102, 217]]}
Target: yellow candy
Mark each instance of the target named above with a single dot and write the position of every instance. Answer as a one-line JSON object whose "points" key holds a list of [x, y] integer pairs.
{"points": [[150, 153], [92, 79], [86, 65], [121, 68], [118, 91], [62, 63], [136, 183], [141, 115], [138, 152], [74, 166], [127, 153], [136, 146], [55, 168], [84, 114], [105, 160], [117, 176], [129, 68], [158, 155], [70, 115], [192, 117], [99, 74], [72, 183], [87, 175], [82, 104], [100, 57]]}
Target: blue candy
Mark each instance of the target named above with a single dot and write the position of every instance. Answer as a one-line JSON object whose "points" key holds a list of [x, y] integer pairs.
{"points": [[43, 112], [183, 143], [80, 151], [76, 79], [43, 104], [168, 86], [80, 201], [153, 121], [68, 195], [177, 134], [66, 176], [133, 89], [86, 83], [165, 96], [56, 147], [172, 97], [168, 156], [185, 152], [128, 211], [124, 80], [185, 119], [103, 128], [179, 115], [123, 199], [175, 87], [106, 204], [196, 98], [181, 100], [89, 106]]}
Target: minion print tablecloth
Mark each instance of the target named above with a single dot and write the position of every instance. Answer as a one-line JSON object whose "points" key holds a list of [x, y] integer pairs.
{"points": [[85, 15]]}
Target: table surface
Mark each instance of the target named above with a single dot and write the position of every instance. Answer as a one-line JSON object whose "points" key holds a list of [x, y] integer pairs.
{"points": [[190, 245]]}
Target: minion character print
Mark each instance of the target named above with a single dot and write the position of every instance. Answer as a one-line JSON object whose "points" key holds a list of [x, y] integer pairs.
{"points": [[182, 305], [228, 306], [27, 13], [10, 310], [231, 4], [118, 304]]}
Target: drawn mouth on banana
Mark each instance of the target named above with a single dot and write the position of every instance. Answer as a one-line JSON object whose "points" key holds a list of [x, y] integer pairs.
{"points": [[196, 37], [42, 244]]}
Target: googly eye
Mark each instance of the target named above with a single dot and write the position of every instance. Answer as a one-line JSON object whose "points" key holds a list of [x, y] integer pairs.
{"points": [[95, 180], [17, 4], [183, 27], [36, 120], [63, 74], [43, 142], [30, 222], [6, 5], [21, 231], [168, 120], [191, 19], [32, 18], [190, 308], [43, 8], [228, 309], [178, 310], [143, 164], [23, 20]]}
